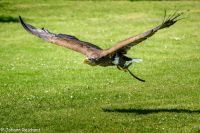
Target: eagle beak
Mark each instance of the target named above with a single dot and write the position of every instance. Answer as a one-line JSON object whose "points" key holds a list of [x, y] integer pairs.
{"points": [[86, 61]]}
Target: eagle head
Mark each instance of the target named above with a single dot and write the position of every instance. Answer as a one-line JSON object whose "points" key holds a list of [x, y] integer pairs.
{"points": [[90, 61]]}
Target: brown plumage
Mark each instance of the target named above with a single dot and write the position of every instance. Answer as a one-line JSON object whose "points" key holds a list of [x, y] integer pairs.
{"points": [[114, 56]]}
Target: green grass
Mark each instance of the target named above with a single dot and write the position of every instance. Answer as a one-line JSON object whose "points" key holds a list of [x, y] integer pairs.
{"points": [[47, 87]]}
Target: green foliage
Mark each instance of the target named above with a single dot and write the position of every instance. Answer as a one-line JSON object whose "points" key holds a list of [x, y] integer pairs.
{"points": [[47, 87]]}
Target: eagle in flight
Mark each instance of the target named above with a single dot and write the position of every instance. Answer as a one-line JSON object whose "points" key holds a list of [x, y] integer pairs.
{"points": [[114, 56]]}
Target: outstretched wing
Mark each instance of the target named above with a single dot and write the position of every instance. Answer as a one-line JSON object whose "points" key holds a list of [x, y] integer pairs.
{"points": [[67, 41], [126, 44]]}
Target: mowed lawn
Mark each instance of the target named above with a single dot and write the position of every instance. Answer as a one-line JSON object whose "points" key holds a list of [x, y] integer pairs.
{"points": [[47, 87]]}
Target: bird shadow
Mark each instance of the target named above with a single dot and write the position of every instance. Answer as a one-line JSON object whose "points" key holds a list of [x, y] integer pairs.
{"points": [[149, 111], [7, 19]]}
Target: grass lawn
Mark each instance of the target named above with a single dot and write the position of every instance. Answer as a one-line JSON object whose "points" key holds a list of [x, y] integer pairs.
{"points": [[46, 87]]}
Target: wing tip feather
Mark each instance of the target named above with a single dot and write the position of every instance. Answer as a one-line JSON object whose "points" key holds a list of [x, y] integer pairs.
{"points": [[25, 26]]}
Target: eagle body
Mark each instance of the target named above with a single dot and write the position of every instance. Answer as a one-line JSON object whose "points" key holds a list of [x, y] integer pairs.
{"points": [[116, 59], [114, 56]]}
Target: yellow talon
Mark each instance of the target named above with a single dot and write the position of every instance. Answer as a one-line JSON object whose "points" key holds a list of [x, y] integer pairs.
{"points": [[125, 69], [121, 68]]}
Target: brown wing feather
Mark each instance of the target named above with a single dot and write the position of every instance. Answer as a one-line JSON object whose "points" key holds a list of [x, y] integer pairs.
{"points": [[67, 41], [126, 44]]}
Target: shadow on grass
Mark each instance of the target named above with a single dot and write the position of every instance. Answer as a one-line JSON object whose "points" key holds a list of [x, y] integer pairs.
{"points": [[149, 111], [7, 19]]}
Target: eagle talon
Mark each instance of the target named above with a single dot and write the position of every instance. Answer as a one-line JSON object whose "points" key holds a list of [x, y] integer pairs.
{"points": [[125, 70], [122, 68]]}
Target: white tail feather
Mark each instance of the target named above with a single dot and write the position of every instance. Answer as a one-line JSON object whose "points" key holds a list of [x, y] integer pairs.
{"points": [[136, 60]]}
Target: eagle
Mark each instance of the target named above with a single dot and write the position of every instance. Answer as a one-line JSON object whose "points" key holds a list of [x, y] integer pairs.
{"points": [[114, 56]]}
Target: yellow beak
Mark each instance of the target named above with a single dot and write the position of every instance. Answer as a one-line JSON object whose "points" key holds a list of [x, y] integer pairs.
{"points": [[86, 61]]}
